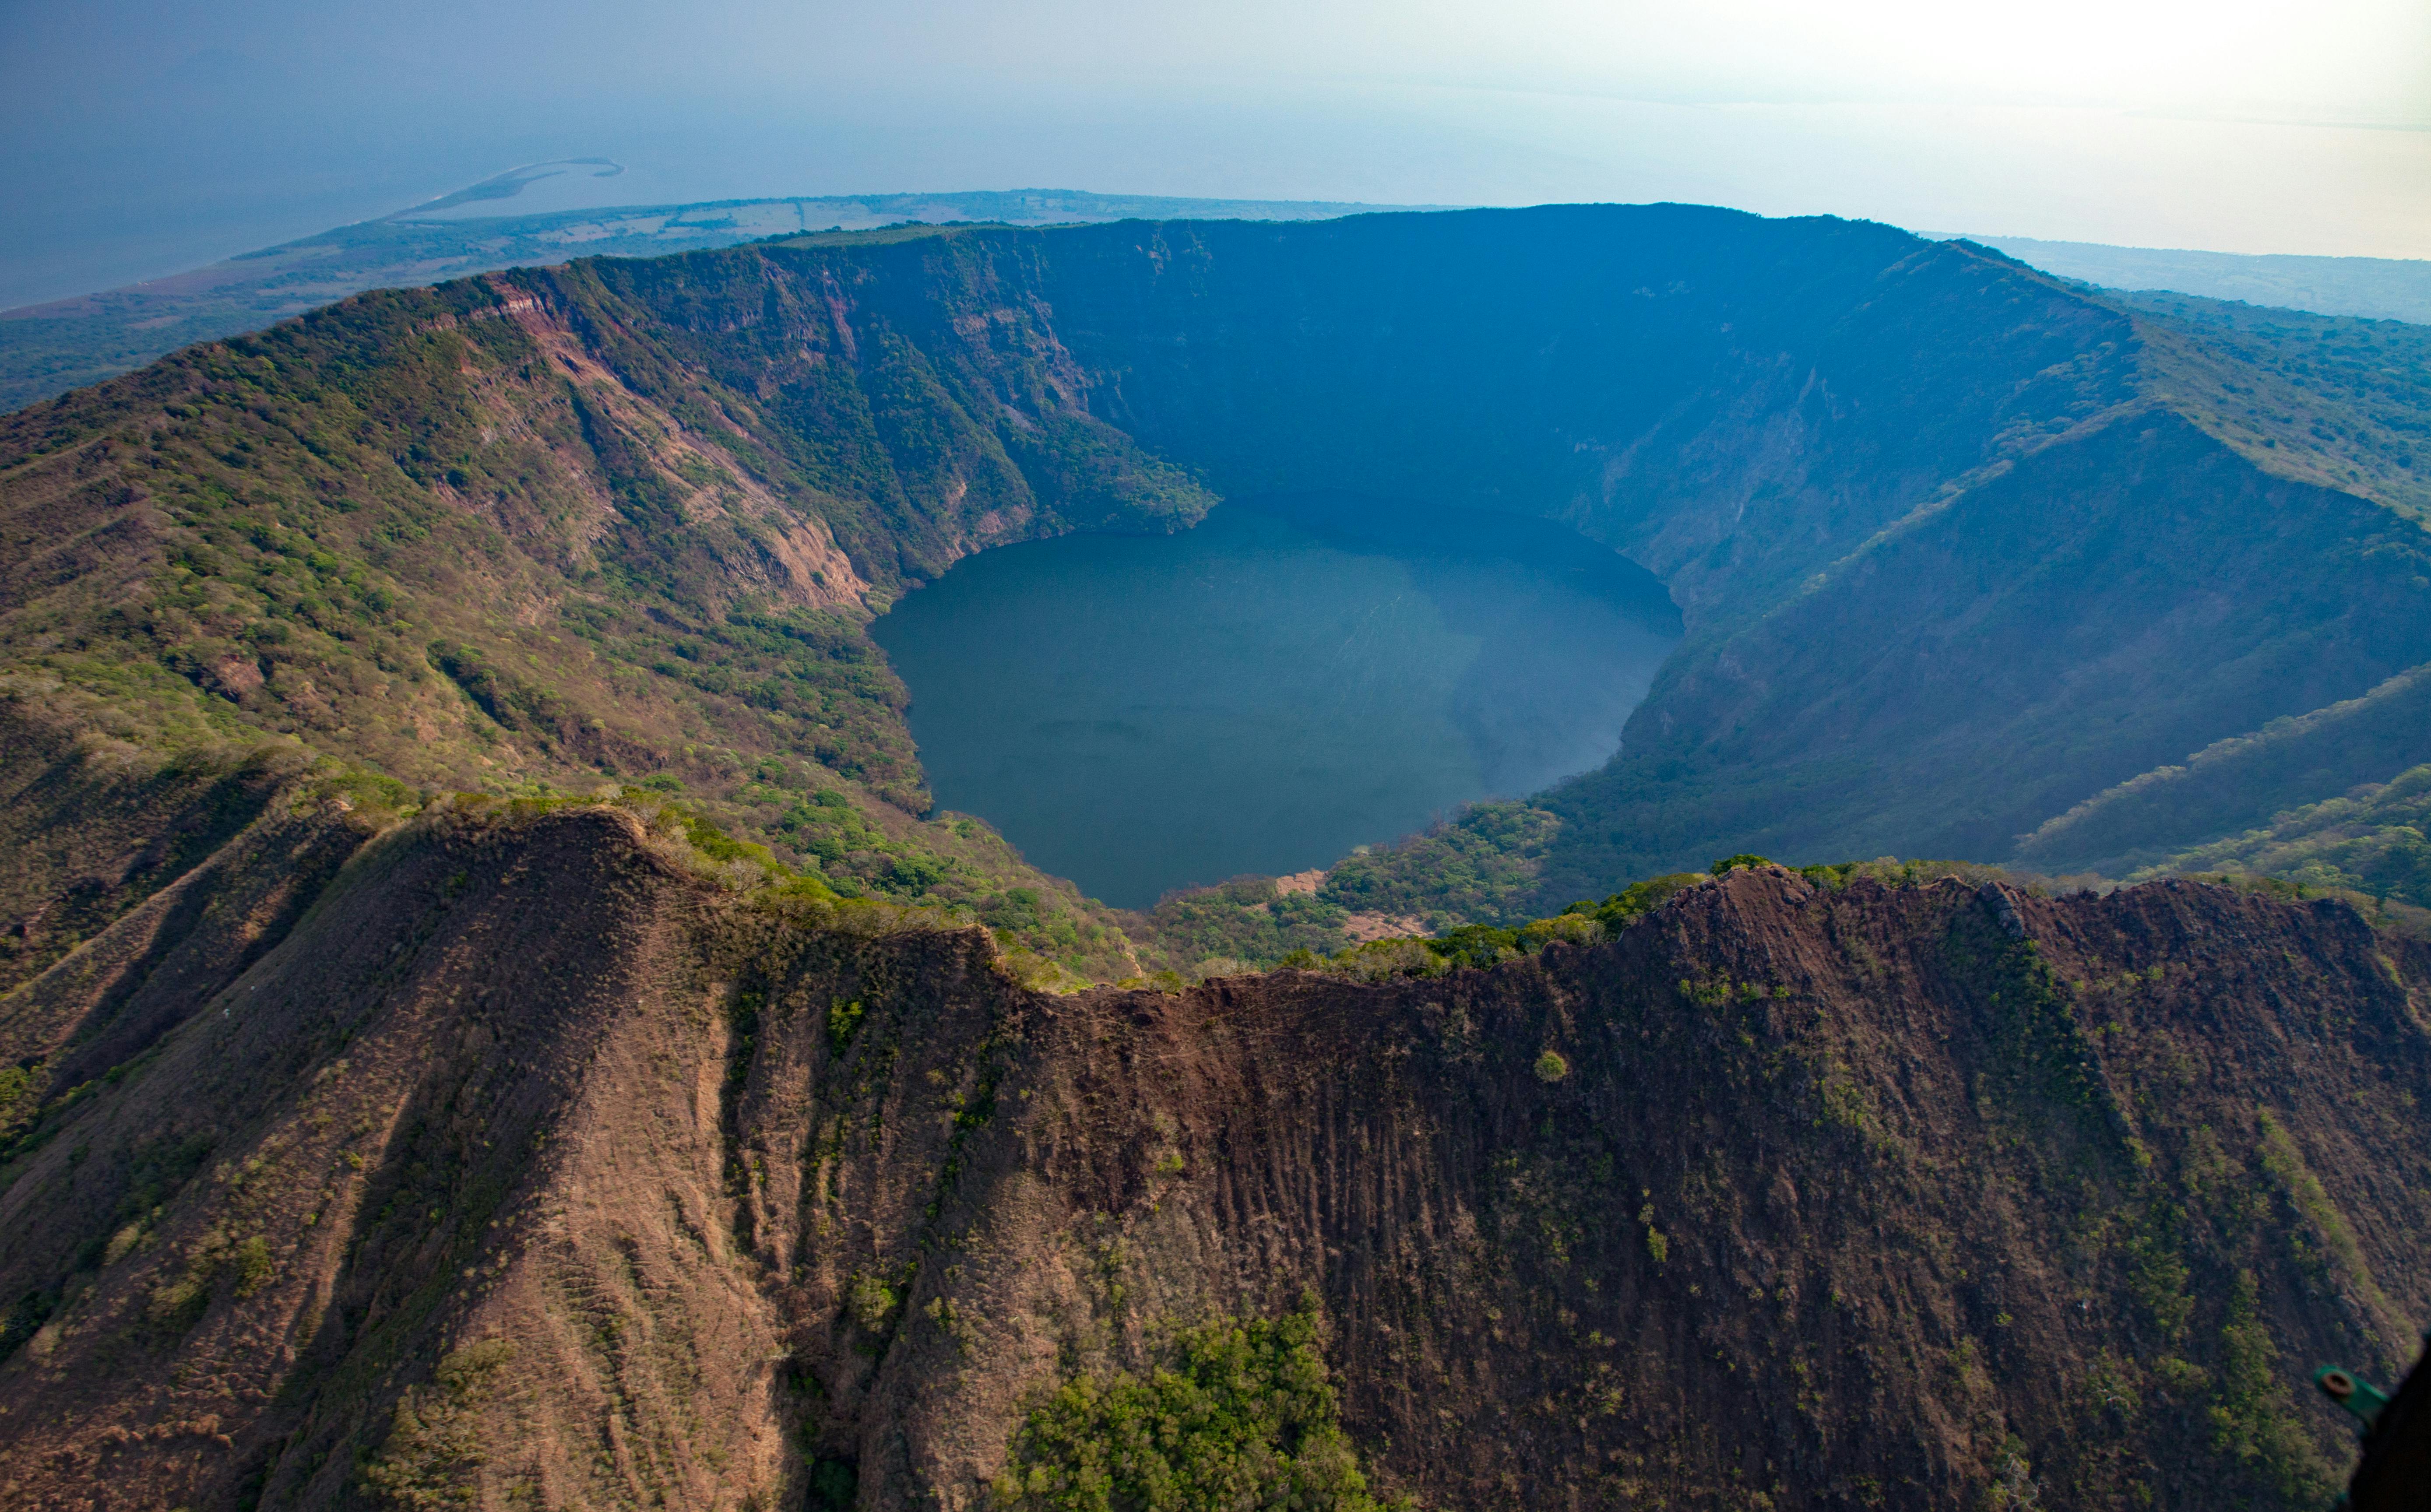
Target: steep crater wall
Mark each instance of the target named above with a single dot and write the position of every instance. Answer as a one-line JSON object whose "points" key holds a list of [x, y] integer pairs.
{"points": [[1958, 549]]}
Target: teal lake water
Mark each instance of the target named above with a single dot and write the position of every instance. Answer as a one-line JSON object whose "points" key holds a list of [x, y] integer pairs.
{"points": [[1293, 678]]}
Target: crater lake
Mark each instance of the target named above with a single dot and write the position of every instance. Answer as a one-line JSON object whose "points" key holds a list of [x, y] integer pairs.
{"points": [[1297, 675]]}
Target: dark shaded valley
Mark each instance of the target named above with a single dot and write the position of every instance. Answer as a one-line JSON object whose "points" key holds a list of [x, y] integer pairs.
{"points": [[496, 1014]]}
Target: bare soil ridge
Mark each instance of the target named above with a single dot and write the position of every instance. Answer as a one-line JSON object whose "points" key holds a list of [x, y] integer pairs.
{"points": [[524, 1163]]}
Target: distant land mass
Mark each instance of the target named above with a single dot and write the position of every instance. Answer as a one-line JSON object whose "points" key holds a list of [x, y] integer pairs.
{"points": [[2373, 288], [47, 350]]}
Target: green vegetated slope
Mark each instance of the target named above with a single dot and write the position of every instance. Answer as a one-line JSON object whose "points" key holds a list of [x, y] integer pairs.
{"points": [[2373, 839], [2142, 591], [529, 1164], [1958, 547], [2239, 783], [2099, 609], [414, 534], [2340, 401]]}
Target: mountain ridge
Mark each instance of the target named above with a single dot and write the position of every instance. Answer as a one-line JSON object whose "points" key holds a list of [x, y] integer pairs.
{"points": [[48, 347], [525, 1158]]}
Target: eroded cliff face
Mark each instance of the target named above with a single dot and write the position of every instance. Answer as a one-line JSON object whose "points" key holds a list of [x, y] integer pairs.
{"points": [[526, 1169]]}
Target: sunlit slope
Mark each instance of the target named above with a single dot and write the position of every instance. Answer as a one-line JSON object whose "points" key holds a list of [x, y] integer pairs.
{"points": [[435, 533]]}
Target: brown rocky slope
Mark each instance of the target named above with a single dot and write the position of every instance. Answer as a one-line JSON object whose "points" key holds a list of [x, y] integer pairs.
{"points": [[525, 1168]]}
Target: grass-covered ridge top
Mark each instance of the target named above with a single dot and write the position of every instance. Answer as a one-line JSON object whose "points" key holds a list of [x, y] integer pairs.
{"points": [[1590, 922]]}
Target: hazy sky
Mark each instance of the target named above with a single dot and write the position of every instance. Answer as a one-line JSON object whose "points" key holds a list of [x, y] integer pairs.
{"points": [[148, 137]]}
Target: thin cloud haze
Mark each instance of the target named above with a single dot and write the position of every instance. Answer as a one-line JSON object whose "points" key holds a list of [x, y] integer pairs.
{"points": [[150, 138]]}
